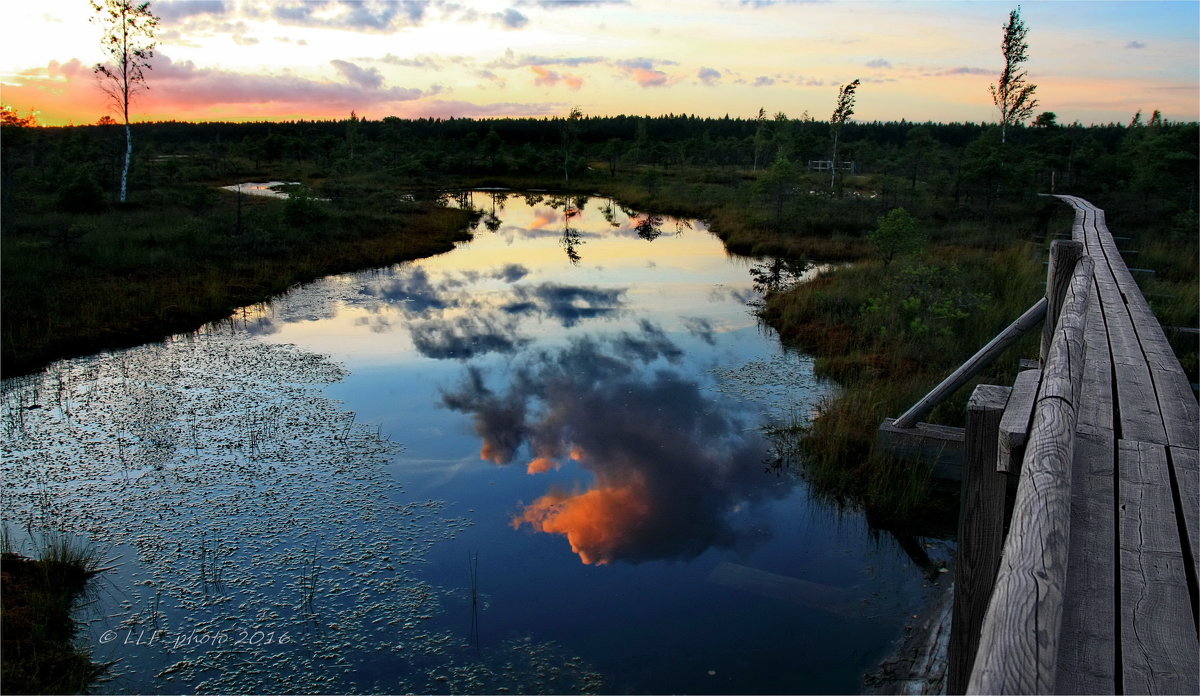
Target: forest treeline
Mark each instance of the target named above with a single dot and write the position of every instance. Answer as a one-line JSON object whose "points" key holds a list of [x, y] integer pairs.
{"points": [[1151, 159]]}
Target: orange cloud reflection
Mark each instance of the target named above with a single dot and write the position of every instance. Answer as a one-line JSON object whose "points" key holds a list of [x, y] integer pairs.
{"points": [[543, 217], [597, 523], [541, 465], [492, 453]]}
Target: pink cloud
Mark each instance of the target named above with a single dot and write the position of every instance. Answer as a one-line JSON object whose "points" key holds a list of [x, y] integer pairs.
{"points": [[545, 77], [648, 78], [63, 93]]}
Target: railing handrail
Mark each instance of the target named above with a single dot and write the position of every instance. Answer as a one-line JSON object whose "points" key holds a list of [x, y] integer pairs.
{"points": [[1019, 640]]}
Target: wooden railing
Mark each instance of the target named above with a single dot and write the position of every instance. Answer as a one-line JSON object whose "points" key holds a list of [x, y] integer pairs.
{"points": [[1084, 586], [1008, 592], [1019, 639]]}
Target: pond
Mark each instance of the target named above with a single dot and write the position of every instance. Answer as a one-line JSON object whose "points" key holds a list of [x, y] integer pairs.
{"points": [[541, 462]]}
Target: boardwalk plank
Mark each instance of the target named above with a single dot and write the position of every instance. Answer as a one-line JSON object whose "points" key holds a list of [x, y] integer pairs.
{"points": [[1137, 402], [1176, 403], [1158, 639], [1087, 650], [1096, 406], [1185, 464]]}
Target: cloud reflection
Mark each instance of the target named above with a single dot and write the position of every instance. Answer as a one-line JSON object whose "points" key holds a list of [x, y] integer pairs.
{"points": [[669, 463], [567, 303]]}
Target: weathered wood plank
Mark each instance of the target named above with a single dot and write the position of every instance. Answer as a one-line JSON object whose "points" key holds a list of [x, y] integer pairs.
{"points": [[1087, 649], [1158, 639], [1136, 400], [974, 365], [1185, 467], [1176, 402], [1018, 646], [1095, 408], [980, 531], [1014, 424], [937, 446]]}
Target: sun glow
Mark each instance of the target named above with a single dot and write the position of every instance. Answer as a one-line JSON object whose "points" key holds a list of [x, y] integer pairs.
{"points": [[242, 60]]}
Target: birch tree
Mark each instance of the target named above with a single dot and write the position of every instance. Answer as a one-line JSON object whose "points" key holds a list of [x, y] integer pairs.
{"points": [[570, 133], [1013, 94], [129, 43]]}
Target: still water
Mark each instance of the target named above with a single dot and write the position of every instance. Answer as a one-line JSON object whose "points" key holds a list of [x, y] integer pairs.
{"points": [[541, 462]]}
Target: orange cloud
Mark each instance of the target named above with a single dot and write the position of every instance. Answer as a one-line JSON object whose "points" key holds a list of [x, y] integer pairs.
{"points": [[546, 462], [541, 465], [545, 77], [597, 523]]}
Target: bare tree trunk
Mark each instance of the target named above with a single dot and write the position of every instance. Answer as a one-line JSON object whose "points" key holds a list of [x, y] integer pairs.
{"points": [[833, 164], [128, 154]]}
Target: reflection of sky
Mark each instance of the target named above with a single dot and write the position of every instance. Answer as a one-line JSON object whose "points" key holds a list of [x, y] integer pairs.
{"points": [[580, 413], [505, 289], [596, 368]]}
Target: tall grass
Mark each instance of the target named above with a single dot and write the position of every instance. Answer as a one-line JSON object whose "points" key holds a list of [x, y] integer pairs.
{"points": [[888, 334], [38, 631]]}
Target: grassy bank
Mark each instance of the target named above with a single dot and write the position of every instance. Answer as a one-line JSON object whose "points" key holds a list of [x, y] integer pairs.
{"points": [[83, 281], [41, 655]]}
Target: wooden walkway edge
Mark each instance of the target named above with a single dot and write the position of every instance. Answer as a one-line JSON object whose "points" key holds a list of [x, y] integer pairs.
{"points": [[1091, 586], [1097, 587]]}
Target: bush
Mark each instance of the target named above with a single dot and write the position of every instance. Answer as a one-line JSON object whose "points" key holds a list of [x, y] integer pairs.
{"points": [[302, 209], [897, 234]]}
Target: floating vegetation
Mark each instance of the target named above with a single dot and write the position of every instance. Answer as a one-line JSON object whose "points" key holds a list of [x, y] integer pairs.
{"points": [[260, 536], [781, 384]]}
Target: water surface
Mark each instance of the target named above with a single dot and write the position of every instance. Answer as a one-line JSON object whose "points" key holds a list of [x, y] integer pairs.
{"points": [[536, 463]]}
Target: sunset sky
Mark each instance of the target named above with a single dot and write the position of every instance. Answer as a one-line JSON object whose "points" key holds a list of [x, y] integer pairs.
{"points": [[1094, 62]]}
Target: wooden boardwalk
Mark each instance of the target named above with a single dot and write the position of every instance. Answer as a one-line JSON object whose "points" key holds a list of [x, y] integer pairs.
{"points": [[1130, 603], [1095, 580]]}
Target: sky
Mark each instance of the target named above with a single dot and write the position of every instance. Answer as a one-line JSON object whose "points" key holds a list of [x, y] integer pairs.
{"points": [[256, 60]]}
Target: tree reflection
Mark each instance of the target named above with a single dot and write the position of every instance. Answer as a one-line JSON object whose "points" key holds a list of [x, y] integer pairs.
{"points": [[777, 274], [648, 226], [571, 238], [609, 211]]}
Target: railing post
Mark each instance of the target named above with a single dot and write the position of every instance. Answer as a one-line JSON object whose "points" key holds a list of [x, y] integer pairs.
{"points": [[980, 531], [1064, 253]]}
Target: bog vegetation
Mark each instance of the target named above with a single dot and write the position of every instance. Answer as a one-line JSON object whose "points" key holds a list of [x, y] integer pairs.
{"points": [[936, 229]]}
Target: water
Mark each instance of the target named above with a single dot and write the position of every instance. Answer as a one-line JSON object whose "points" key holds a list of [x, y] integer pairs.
{"points": [[534, 464]]}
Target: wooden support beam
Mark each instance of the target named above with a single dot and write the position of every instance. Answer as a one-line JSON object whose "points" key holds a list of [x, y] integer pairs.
{"points": [[980, 531], [974, 365], [938, 446]]}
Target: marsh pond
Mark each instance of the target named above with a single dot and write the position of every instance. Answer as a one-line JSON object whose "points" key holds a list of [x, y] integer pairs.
{"points": [[542, 462]]}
